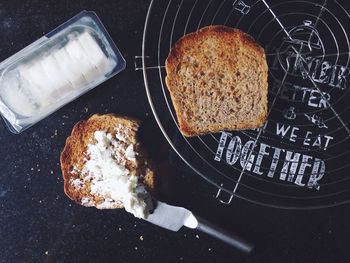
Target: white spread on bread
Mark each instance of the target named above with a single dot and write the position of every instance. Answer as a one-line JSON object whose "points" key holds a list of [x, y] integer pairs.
{"points": [[86, 201], [130, 153], [108, 176], [119, 134], [77, 183]]}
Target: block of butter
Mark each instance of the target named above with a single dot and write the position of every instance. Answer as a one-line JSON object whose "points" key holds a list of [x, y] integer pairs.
{"points": [[67, 62]]}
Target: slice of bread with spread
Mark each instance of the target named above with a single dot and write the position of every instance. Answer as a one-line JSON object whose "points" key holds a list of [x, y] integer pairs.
{"points": [[217, 79], [104, 166]]}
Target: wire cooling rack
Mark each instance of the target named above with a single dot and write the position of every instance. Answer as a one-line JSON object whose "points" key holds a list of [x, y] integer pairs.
{"points": [[300, 159]]}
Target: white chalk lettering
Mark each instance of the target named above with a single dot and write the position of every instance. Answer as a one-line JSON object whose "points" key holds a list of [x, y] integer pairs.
{"points": [[293, 168], [316, 174], [328, 139], [290, 132], [307, 139], [282, 131], [247, 148], [260, 157], [316, 100], [274, 162], [340, 73], [285, 165], [306, 95], [233, 150], [320, 71], [293, 135], [304, 164], [324, 73], [317, 142], [221, 146]]}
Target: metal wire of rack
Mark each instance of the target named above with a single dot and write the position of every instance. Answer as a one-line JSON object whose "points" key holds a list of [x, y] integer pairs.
{"points": [[300, 158]]}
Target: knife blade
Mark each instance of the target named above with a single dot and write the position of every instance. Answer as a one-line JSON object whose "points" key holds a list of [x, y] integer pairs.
{"points": [[174, 218], [171, 217]]}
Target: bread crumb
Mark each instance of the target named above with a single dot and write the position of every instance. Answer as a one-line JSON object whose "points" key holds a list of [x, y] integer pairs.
{"points": [[54, 134], [136, 248], [51, 172], [141, 238], [46, 252], [120, 229], [197, 236], [86, 109], [209, 249]]}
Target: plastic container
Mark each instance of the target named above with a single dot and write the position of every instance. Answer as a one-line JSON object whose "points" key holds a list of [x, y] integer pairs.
{"points": [[56, 69]]}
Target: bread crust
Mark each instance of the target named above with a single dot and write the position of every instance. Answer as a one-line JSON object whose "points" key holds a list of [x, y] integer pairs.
{"points": [[74, 153], [176, 59]]}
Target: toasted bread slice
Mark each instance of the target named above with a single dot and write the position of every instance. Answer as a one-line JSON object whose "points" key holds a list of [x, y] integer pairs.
{"points": [[217, 79], [74, 157]]}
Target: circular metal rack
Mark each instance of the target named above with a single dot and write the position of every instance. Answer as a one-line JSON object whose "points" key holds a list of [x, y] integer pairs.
{"points": [[300, 158]]}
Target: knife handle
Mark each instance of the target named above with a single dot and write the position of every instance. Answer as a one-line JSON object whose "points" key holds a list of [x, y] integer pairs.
{"points": [[224, 235]]}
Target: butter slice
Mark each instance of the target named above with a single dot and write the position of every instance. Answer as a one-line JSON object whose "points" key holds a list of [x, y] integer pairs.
{"points": [[60, 83], [69, 69], [39, 83], [15, 96], [80, 61], [95, 54]]}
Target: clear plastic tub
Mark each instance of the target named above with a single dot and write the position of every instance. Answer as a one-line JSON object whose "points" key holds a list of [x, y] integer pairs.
{"points": [[56, 69]]}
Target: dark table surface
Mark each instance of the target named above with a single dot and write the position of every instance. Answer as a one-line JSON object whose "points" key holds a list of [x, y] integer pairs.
{"points": [[39, 224]]}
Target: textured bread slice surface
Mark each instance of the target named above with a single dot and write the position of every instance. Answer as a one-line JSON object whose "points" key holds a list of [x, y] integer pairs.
{"points": [[217, 79], [75, 155]]}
